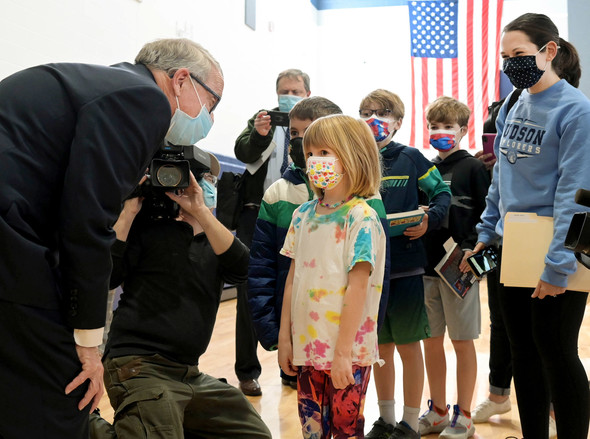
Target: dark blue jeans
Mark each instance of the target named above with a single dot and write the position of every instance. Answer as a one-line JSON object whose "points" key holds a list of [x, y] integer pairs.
{"points": [[247, 365]]}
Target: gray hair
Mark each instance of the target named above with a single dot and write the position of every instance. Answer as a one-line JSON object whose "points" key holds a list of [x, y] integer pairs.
{"points": [[294, 74], [171, 54]]}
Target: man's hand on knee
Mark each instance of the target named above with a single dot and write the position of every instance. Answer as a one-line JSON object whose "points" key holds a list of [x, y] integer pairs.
{"points": [[92, 370]]}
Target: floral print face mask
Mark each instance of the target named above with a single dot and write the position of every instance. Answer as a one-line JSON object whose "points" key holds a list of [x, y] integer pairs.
{"points": [[321, 172]]}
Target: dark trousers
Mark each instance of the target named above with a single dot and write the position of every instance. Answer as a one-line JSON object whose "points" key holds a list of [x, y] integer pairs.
{"points": [[37, 361], [247, 365], [174, 401], [543, 338], [500, 357]]}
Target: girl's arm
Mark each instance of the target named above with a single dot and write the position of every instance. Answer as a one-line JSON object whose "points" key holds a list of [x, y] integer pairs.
{"points": [[350, 321], [285, 342]]}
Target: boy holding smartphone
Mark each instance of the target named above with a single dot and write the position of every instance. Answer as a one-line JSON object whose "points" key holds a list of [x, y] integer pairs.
{"points": [[469, 181]]}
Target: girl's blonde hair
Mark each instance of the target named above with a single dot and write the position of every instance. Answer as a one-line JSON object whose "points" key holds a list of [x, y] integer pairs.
{"points": [[353, 142]]}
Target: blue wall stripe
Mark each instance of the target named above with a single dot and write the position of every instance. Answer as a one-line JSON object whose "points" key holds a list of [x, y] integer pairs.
{"points": [[345, 4]]}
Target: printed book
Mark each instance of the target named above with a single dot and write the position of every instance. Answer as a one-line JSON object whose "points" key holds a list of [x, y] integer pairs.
{"points": [[448, 269], [398, 222]]}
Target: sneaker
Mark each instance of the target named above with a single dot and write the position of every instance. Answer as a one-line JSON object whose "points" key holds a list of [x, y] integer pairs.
{"points": [[487, 408], [403, 431], [552, 428], [380, 430], [431, 421], [461, 426]]}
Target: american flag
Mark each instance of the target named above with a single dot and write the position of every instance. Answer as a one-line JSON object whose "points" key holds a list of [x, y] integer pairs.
{"points": [[455, 52]]}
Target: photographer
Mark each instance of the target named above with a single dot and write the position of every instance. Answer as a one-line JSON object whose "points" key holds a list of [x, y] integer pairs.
{"points": [[74, 141], [172, 270]]}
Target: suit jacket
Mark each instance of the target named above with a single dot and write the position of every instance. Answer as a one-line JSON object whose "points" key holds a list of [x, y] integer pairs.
{"points": [[74, 141]]}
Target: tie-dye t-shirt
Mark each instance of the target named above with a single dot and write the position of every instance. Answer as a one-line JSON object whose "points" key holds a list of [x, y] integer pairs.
{"points": [[325, 248]]}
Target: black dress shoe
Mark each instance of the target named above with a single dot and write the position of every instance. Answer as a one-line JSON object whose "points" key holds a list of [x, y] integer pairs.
{"points": [[250, 387]]}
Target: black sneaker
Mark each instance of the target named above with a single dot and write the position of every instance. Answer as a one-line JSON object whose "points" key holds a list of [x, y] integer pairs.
{"points": [[404, 431], [380, 430], [290, 383]]}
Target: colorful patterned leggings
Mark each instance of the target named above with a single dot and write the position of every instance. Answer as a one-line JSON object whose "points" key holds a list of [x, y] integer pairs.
{"points": [[327, 412]]}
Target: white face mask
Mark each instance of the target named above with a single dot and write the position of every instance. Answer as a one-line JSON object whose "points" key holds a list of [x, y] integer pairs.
{"points": [[186, 130]]}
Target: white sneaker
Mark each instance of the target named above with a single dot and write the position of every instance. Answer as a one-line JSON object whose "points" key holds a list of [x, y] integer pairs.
{"points": [[461, 426], [552, 428], [431, 421], [488, 408]]}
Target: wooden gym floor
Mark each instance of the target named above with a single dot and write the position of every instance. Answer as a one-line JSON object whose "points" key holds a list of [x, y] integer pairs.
{"points": [[278, 403]]}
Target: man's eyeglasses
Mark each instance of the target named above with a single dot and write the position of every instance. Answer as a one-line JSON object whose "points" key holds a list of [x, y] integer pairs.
{"points": [[367, 112], [210, 178], [206, 87]]}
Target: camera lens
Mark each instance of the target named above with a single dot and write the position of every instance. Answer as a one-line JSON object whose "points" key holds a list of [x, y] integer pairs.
{"points": [[169, 175]]}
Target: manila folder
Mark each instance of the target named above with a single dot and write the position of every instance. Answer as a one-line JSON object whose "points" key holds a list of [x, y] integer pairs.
{"points": [[525, 244]]}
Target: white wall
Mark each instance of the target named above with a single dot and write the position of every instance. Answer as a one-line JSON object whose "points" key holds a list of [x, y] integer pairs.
{"points": [[347, 53]]}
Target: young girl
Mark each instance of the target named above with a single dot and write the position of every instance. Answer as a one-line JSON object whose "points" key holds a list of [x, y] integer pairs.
{"points": [[543, 153], [328, 332]]}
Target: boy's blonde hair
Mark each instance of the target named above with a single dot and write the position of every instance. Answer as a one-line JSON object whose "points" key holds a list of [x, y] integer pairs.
{"points": [[353, 142], [447, 110], [387, 99]]}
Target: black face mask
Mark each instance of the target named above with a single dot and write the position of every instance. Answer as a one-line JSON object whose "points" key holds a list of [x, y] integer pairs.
{"points": [[522, 70], [296, 152]]}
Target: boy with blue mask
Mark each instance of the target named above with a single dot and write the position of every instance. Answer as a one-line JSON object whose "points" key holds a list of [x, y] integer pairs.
{"points": [[468, 180], [406, 173], [264, 149]]}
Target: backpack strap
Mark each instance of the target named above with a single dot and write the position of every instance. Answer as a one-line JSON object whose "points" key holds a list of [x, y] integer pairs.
{"points": [[513, 98]]}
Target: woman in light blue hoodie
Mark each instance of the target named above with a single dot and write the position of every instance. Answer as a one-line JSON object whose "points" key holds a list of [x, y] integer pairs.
{"points": [[543, 150]]}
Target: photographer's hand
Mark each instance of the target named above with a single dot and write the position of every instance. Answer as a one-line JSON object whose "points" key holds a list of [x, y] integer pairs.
{"points": [[192, 203], [131, 208], [191, 199], [262, 123]]}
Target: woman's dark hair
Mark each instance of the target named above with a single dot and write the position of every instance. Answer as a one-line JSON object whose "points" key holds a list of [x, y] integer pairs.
{"points": [[540, 30]]}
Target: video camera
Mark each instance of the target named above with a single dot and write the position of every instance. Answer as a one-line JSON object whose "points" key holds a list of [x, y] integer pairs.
{"points": [[169, 171], [578, 234]]}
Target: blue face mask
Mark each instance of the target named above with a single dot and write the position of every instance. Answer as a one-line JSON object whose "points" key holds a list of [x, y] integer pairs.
{"points": [[185, 130], [286, 102], [209, 193], [443, 140]]}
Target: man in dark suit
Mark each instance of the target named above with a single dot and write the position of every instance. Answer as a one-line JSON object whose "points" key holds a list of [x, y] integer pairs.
{"points": [[75, 140]]}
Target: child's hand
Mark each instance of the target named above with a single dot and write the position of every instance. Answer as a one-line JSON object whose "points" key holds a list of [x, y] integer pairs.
{"points": [[286, 358], [464, 266], [487, 159], [341, 371], [416, 232]]}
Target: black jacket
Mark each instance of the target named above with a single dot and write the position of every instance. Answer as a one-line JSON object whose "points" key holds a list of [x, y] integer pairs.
{"points": [[469, 183], [74, 141], [172, 284], [406, 175]]}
